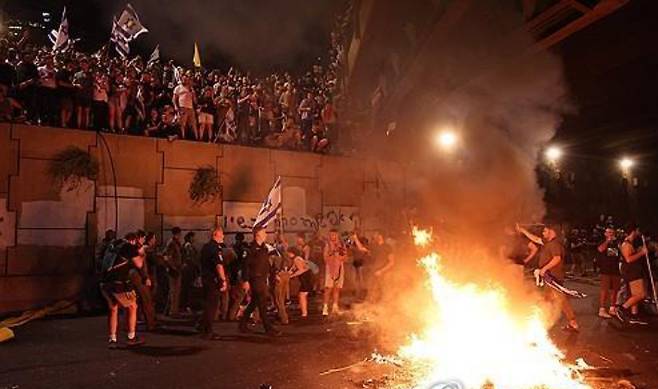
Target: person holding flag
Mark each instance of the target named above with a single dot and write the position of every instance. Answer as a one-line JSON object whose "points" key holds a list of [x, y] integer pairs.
{"points": [[126, 29], [257, 268]]}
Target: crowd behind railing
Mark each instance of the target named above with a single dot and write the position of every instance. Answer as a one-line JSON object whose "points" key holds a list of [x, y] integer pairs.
{"points": [[72, 89]]}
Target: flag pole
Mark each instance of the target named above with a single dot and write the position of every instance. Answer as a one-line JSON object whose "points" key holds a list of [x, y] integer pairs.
{"points": [[653, 285]]}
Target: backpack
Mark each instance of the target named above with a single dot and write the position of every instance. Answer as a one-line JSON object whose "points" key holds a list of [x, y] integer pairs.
{"points": [[110, 255]]}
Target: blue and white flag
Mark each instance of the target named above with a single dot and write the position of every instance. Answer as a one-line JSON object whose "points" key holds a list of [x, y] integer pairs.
{"points": [[120, 40], [552, 282], [125, 29], [271, 206], [60, 38]]}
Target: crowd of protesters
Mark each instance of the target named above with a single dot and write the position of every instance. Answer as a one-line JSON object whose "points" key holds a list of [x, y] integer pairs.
{"points": [[230, 282], [103, 92]]}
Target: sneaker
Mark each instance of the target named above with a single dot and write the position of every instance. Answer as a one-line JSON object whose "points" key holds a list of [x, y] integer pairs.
{"points": [[604, 314], [621, 314], [134, 342], [635, 319], [325, 310], [612, 311], [112, 345]]}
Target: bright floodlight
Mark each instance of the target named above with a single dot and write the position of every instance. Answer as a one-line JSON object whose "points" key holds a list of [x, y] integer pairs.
{"points": [[446, 139], [626, 163], [553, 154]]}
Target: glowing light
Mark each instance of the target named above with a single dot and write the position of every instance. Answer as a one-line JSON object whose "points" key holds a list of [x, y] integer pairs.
{"points": [[553, 154], [474, 336], [421, 237], [626, 163], [446, 139]]}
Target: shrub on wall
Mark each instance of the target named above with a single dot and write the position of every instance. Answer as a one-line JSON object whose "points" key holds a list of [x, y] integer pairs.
{"points": [[71, 166], [205, 185]]}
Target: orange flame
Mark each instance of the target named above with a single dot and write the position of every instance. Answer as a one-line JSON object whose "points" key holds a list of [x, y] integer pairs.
{"points": [[477, 339]]}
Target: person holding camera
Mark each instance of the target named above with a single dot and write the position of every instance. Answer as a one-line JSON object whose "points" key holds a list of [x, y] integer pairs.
{"points": [[335, 254], [608, 261]]}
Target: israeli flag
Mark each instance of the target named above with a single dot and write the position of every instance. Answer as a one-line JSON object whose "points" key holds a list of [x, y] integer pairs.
{"points": [[60, 38], [271, 206]]}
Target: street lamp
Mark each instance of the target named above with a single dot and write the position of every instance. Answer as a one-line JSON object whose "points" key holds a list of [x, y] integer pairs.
{"points": [[446, 140], [626, 164], [553, 154]]}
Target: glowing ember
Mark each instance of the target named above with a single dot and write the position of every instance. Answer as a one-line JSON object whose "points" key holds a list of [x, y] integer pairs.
{"points": [[477, 339]]}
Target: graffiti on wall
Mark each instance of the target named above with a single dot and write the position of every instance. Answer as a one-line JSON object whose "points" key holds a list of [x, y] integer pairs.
{"points": [[239, 217], [340, 218]]}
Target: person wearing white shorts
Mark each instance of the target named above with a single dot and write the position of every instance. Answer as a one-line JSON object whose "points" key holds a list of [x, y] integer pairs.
{"points": [[335, 254]]}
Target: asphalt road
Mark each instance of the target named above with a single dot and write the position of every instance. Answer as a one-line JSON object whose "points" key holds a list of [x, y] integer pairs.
{"points": [[72, 353]]}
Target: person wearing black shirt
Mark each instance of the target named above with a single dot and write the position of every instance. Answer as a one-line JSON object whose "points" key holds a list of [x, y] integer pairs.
{"points": [[7, 72], [214, 281], [608, 260], [118, 290], [27, 78], [632, 271], [255, 272], [234, 268]]}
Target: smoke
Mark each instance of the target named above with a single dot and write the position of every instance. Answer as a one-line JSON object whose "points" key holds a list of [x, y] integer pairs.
{"points": [[255, 35], [481, 80]]}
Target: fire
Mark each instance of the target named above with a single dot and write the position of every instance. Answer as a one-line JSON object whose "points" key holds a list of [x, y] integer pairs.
{"points": [[475, 338], [421, 237]]}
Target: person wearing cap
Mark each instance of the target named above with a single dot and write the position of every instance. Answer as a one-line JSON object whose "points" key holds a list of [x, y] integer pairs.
{"points": [[551, 260], [632, 271]]}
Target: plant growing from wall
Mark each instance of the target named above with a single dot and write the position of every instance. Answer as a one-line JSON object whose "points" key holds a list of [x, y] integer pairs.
{"points": [[71, 166], [205, 185]]}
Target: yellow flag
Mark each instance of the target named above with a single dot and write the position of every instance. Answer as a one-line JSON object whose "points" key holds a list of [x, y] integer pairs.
{"points": [[197, 57]]}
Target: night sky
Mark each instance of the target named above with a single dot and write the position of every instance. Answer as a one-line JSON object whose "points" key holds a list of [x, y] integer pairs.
{"points": [[255, 35]]}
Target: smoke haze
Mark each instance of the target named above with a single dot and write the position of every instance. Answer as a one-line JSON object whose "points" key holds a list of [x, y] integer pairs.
{"points": [[505, 103]]}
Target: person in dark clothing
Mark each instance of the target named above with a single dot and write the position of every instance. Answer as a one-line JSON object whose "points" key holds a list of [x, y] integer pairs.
{"points": [[608, 260], [233, 268], [632, 271], [118, 290], [255, 272], [27, 80], [214, 282]]}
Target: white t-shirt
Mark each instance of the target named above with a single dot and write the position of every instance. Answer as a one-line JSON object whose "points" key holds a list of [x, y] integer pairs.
{"points": [[184, 96]]}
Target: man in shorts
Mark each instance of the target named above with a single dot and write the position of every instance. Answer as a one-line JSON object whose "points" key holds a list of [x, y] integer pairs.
{"points": [[335, 254]]}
